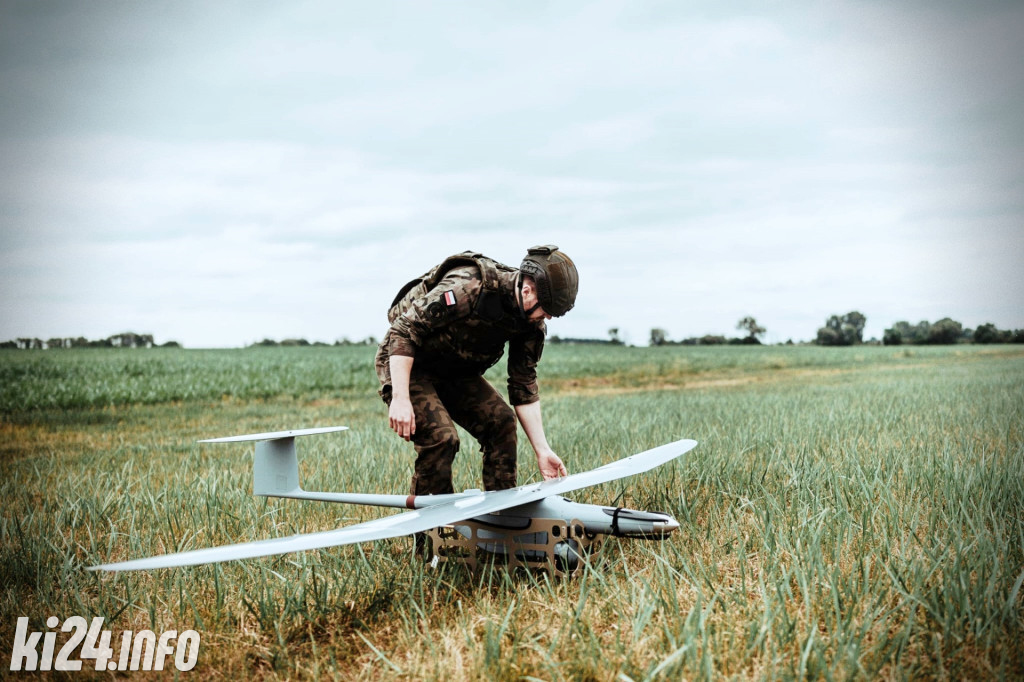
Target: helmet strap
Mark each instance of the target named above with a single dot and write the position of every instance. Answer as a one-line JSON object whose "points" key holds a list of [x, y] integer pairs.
{"points": [[525, 313]]}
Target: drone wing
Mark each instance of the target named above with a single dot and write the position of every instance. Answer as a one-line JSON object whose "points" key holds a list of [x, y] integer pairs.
{"points": [[417, 520]]}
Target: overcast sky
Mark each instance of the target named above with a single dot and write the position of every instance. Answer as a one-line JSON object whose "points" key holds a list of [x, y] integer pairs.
{"points": [[217, 173]]}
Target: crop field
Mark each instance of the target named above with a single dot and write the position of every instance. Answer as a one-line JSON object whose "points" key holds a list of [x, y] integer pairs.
{"points": [[849, 513]]}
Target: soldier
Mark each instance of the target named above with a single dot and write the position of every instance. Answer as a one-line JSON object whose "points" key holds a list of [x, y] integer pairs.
{"points": [[447, 328]]}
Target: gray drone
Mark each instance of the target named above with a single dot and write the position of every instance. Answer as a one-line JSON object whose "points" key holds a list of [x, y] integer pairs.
{"points": [[531, 525]]}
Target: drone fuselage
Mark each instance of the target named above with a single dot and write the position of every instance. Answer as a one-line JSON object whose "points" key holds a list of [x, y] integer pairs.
{"points": [[617, 521], [596, 519]]}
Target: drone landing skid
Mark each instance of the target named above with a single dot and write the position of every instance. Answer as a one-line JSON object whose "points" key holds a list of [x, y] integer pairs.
{"points": [[544, 545]]}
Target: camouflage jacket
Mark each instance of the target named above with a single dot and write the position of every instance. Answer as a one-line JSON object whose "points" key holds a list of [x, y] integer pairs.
{"points": [[457, 328]]}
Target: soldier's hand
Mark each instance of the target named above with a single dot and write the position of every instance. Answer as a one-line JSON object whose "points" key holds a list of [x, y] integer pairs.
{"points": [[401, 417], [550, 465]]}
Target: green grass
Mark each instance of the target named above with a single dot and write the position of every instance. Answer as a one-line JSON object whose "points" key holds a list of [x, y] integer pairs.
{"points": [[849, 513]]}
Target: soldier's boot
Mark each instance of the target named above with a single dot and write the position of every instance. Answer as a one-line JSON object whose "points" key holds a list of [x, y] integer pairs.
{"points": [[436, 447], [423, 547]]}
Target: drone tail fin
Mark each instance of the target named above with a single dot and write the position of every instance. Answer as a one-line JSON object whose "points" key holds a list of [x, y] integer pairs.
{"points": [[275, 470]]}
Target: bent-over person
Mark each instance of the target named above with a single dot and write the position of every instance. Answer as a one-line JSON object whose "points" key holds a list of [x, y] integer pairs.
{"points": [[447, 328]]}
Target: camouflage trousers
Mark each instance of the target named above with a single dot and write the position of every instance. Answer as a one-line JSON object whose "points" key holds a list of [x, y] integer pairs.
{"points": [[472, 403]]}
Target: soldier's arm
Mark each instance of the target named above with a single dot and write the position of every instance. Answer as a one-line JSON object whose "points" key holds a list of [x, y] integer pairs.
{"points": [[401, 417], [524, 353], [450, 300], [548, 462]]}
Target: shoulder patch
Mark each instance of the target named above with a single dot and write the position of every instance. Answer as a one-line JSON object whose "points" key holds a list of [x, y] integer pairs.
{"points": [[436, 311], [444, 307]]}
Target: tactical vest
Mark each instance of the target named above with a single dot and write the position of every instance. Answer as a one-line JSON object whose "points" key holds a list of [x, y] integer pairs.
{"points": [[488, 305]]}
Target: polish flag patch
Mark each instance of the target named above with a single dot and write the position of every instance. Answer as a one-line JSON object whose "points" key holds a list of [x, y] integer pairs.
{"points": [[449, 298]]}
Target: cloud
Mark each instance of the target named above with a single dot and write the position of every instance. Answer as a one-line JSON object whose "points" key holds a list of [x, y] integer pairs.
{"points": [[223, 173]]}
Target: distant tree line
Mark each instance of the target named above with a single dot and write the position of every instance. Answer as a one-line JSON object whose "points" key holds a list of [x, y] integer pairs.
{"points": [[292, 343], [988, 333], [659, 337], [555, 338], [133, 340], [848, 330], [839, 330], [122, 340], [613, 339], [948, 331]]}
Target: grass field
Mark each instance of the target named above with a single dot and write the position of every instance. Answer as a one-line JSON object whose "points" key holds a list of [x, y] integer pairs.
{"points": [[849, 513]]}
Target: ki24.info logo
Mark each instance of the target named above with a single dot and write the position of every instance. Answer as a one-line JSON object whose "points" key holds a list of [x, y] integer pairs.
{"points": [[142, 650]]}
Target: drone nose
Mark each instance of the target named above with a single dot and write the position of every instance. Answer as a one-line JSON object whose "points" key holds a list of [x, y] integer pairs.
{"points": [[666, 527]]}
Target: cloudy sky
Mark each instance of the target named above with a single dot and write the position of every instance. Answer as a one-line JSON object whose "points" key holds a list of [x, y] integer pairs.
{"points": [[217, 173]]}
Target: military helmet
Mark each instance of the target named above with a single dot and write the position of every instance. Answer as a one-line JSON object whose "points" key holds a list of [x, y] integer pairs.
{"points": [[555, 276]]}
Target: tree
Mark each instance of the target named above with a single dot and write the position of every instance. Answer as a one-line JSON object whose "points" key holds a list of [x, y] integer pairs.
{"points": [[910, 333], [659, 337], [613, 333], [989, 333], [901, 332], [945, 331], [853, 326], [752, 328], [986, 333], [843, 331], [829, 335], [711, 340], [131, 340]]}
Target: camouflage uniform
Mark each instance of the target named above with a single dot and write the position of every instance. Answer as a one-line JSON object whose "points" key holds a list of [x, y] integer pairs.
{"points": [[456, 330]]}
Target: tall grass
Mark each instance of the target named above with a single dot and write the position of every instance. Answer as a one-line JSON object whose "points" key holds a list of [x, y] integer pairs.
{"points": [[848, 514], [83, 378]]}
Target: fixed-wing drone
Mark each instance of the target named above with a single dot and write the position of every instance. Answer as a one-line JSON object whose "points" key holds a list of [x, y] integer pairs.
{"points": [[531, 525]]}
